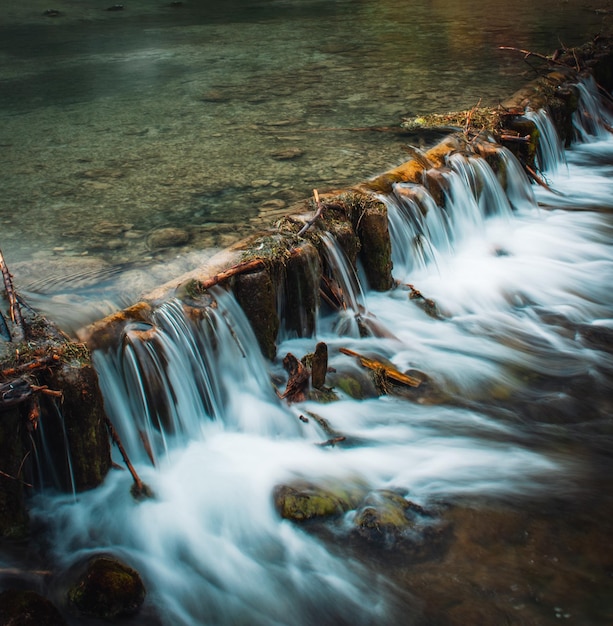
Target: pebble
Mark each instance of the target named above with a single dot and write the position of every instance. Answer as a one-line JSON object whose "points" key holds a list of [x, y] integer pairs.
{"points": [[168, 238]]}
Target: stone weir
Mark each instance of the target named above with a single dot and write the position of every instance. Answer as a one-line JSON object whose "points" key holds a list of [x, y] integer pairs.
{"points": [[44, 374]]}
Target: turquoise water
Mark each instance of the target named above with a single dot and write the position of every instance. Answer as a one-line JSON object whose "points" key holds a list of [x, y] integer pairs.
{"points": [[205, 116]]}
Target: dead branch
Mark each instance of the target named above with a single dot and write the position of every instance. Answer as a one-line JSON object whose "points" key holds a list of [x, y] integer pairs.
{"points": [[389, 371], [528, 53], [298, 379], [516, 138], [320, 208], [331, 442], [139, 488], [15, 478], [239, 268], [14, 308], [537, 179], [39, 363]]}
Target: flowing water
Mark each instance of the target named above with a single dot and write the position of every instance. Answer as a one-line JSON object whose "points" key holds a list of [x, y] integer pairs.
{"points": [[506, 453], [506, 450]]}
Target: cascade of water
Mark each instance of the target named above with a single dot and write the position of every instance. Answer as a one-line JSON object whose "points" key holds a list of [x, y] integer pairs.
{"points": [[517, 187], [166, 384], [419, 228], [53, 462], [550, 152], [590, 120], [346, 286]]}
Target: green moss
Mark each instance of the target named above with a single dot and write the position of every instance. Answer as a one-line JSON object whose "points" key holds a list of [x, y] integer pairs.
{"points": [[304, 501], [108, 589]]}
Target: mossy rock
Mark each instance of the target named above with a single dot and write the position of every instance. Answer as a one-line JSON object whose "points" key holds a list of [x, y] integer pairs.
{"points": [[107, 589], [386, 519], [19, 607], [304, 501]]}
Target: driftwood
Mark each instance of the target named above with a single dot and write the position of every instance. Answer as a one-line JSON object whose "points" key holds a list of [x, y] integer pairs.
{"points": [[389, 372], [298, 379]]}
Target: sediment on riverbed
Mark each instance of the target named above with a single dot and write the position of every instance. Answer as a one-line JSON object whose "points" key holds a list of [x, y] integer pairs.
{"points": [[43, 373]]}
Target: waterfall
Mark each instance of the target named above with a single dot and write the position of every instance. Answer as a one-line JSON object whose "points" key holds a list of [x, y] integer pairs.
{"points": [[590, 121], [550, 151], [521, 292]]}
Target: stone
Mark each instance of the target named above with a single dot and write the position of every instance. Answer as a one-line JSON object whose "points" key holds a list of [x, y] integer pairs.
{"points": [[168, 238], [106, 589]]}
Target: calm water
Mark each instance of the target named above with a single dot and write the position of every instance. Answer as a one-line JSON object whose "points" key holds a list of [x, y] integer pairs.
{"points": [[115, 124]]}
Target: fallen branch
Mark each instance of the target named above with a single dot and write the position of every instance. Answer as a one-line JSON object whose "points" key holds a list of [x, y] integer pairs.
{"points": [[14, 308], [36, 364], [298, 379], [15, 478], [139, 488], [320, 208], [240, 268], [331, 442], [389, 371], [537, 179], [528, 53]]}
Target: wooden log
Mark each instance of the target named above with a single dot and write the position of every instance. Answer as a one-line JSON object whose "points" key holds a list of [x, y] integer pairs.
{"points": [[389, 371]]}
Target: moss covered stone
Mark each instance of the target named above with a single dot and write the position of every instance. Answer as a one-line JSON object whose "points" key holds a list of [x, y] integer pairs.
{"points": [[302, 501], [107, 589]]}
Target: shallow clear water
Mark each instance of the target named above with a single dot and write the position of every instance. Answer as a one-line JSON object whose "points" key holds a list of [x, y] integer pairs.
{"points": [[115, 124]]}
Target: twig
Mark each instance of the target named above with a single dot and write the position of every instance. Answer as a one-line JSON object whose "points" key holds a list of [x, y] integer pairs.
{"points": [[331, 442], [318, 213], [14, 308], [246, 266], [14, 478], [38, 363], [528, 53], [540, 181], [139, 489]]}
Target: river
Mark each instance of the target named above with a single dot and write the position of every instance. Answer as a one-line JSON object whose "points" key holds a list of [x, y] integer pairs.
{"points": [[505, 461]]}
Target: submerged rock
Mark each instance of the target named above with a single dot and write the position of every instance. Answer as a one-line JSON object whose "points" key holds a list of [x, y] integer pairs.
{"points": [[386, 519], [303, 501], [167, 238], [107, 589], [20, 607]]}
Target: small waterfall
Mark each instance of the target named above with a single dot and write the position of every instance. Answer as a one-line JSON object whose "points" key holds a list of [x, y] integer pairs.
{"points": [[342, 288], [419, 229], [169, 383], [550, 152], [423, 233], [590, 120]]}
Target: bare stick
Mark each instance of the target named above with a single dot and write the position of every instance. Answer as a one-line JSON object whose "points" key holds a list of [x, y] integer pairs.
{"points": [[320, 208], [139, 489], [15, 310], [232, 271]]}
